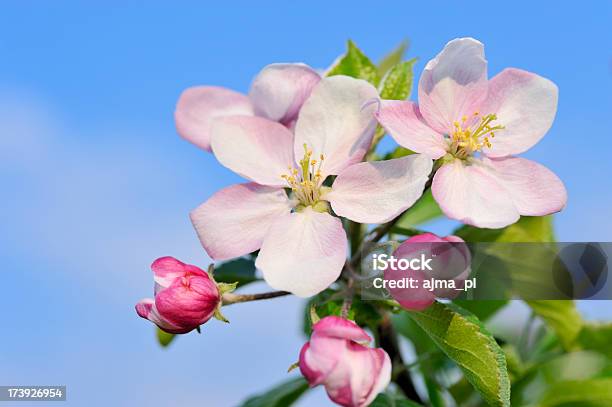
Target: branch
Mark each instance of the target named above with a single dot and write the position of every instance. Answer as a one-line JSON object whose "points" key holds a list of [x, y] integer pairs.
{"points": [[230, 298]]}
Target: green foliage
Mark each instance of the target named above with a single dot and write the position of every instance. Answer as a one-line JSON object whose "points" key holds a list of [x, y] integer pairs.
{"points": [[561, 316], [596, 337], [164, 338], [397, 84], [329, 302], [595, 393], [356, 64], [471, 347], [424, 210], [241, 270], [392, 58], [283, 395], [533, 386], [527, 229], [483, 309], [398, 153], [393, 400]]}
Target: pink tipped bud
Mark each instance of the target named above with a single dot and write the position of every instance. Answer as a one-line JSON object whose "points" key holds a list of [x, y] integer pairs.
{"points": [[447, 262], [336, 357], [185, 297]]}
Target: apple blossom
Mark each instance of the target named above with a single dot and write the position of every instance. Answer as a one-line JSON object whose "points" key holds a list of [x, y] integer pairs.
{"points": [[185, 297], [337, 357], [475, 126], [450, 260], [277, 93], [302, 246]]}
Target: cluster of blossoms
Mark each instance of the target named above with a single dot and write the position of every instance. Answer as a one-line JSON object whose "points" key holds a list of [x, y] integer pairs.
{"points": [[300, 140]]}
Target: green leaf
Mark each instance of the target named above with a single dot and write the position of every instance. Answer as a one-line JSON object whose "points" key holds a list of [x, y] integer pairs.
{"points": [[164, 338], [241, 270], [579, 393], [355, 64], [424, 210], [397, 84], [393, 400], [282, 395], [596, 337], [398, 153], [463, 339], [326, 303], [541, 374], [562, 317], [483, 309], [392, 58]]}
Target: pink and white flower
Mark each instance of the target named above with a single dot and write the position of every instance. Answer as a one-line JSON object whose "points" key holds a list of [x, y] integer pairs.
{"points": [[476, 126], [337, 357], [185, 297], [450, 260], [277, 93], [302, 246]]}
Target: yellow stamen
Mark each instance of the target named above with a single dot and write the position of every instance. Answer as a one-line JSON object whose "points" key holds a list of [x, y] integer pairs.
{"points": [[467, 139], [306, 182]]}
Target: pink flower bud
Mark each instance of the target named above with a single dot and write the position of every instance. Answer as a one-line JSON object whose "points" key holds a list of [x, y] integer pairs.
{"points": [[448, 261], [185, 297], [336, 357]]}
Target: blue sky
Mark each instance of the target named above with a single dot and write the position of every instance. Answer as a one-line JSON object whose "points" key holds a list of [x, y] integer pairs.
{"points": [[96, 183]]}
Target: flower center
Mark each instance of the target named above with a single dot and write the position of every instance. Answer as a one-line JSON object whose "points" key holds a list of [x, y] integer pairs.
{"points": [[307, 181], [470, 137]]}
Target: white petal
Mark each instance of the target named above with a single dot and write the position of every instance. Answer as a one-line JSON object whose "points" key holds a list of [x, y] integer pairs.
{"points": [[472, 194], [336, 121], [535, 190], [256, 148], [198, 106], [403, 121], [279, 90], [453, 84], [525, 104], [303, 252], [234, 221], [378, 191]]}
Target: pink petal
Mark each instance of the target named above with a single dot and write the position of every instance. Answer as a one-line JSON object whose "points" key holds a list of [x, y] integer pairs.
{"points": [[378, 191], [188, 302], [352, 381], [383, 377], [197, 107], [472, 194], [166, 270], [147, 310], [337, 122], [320, 357], [403, 121], [534, 189], [279, 91], [303, 252], [234, 221], [336, 327], [525, 104], [258, 149], [453, 84], [310, 373]]}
